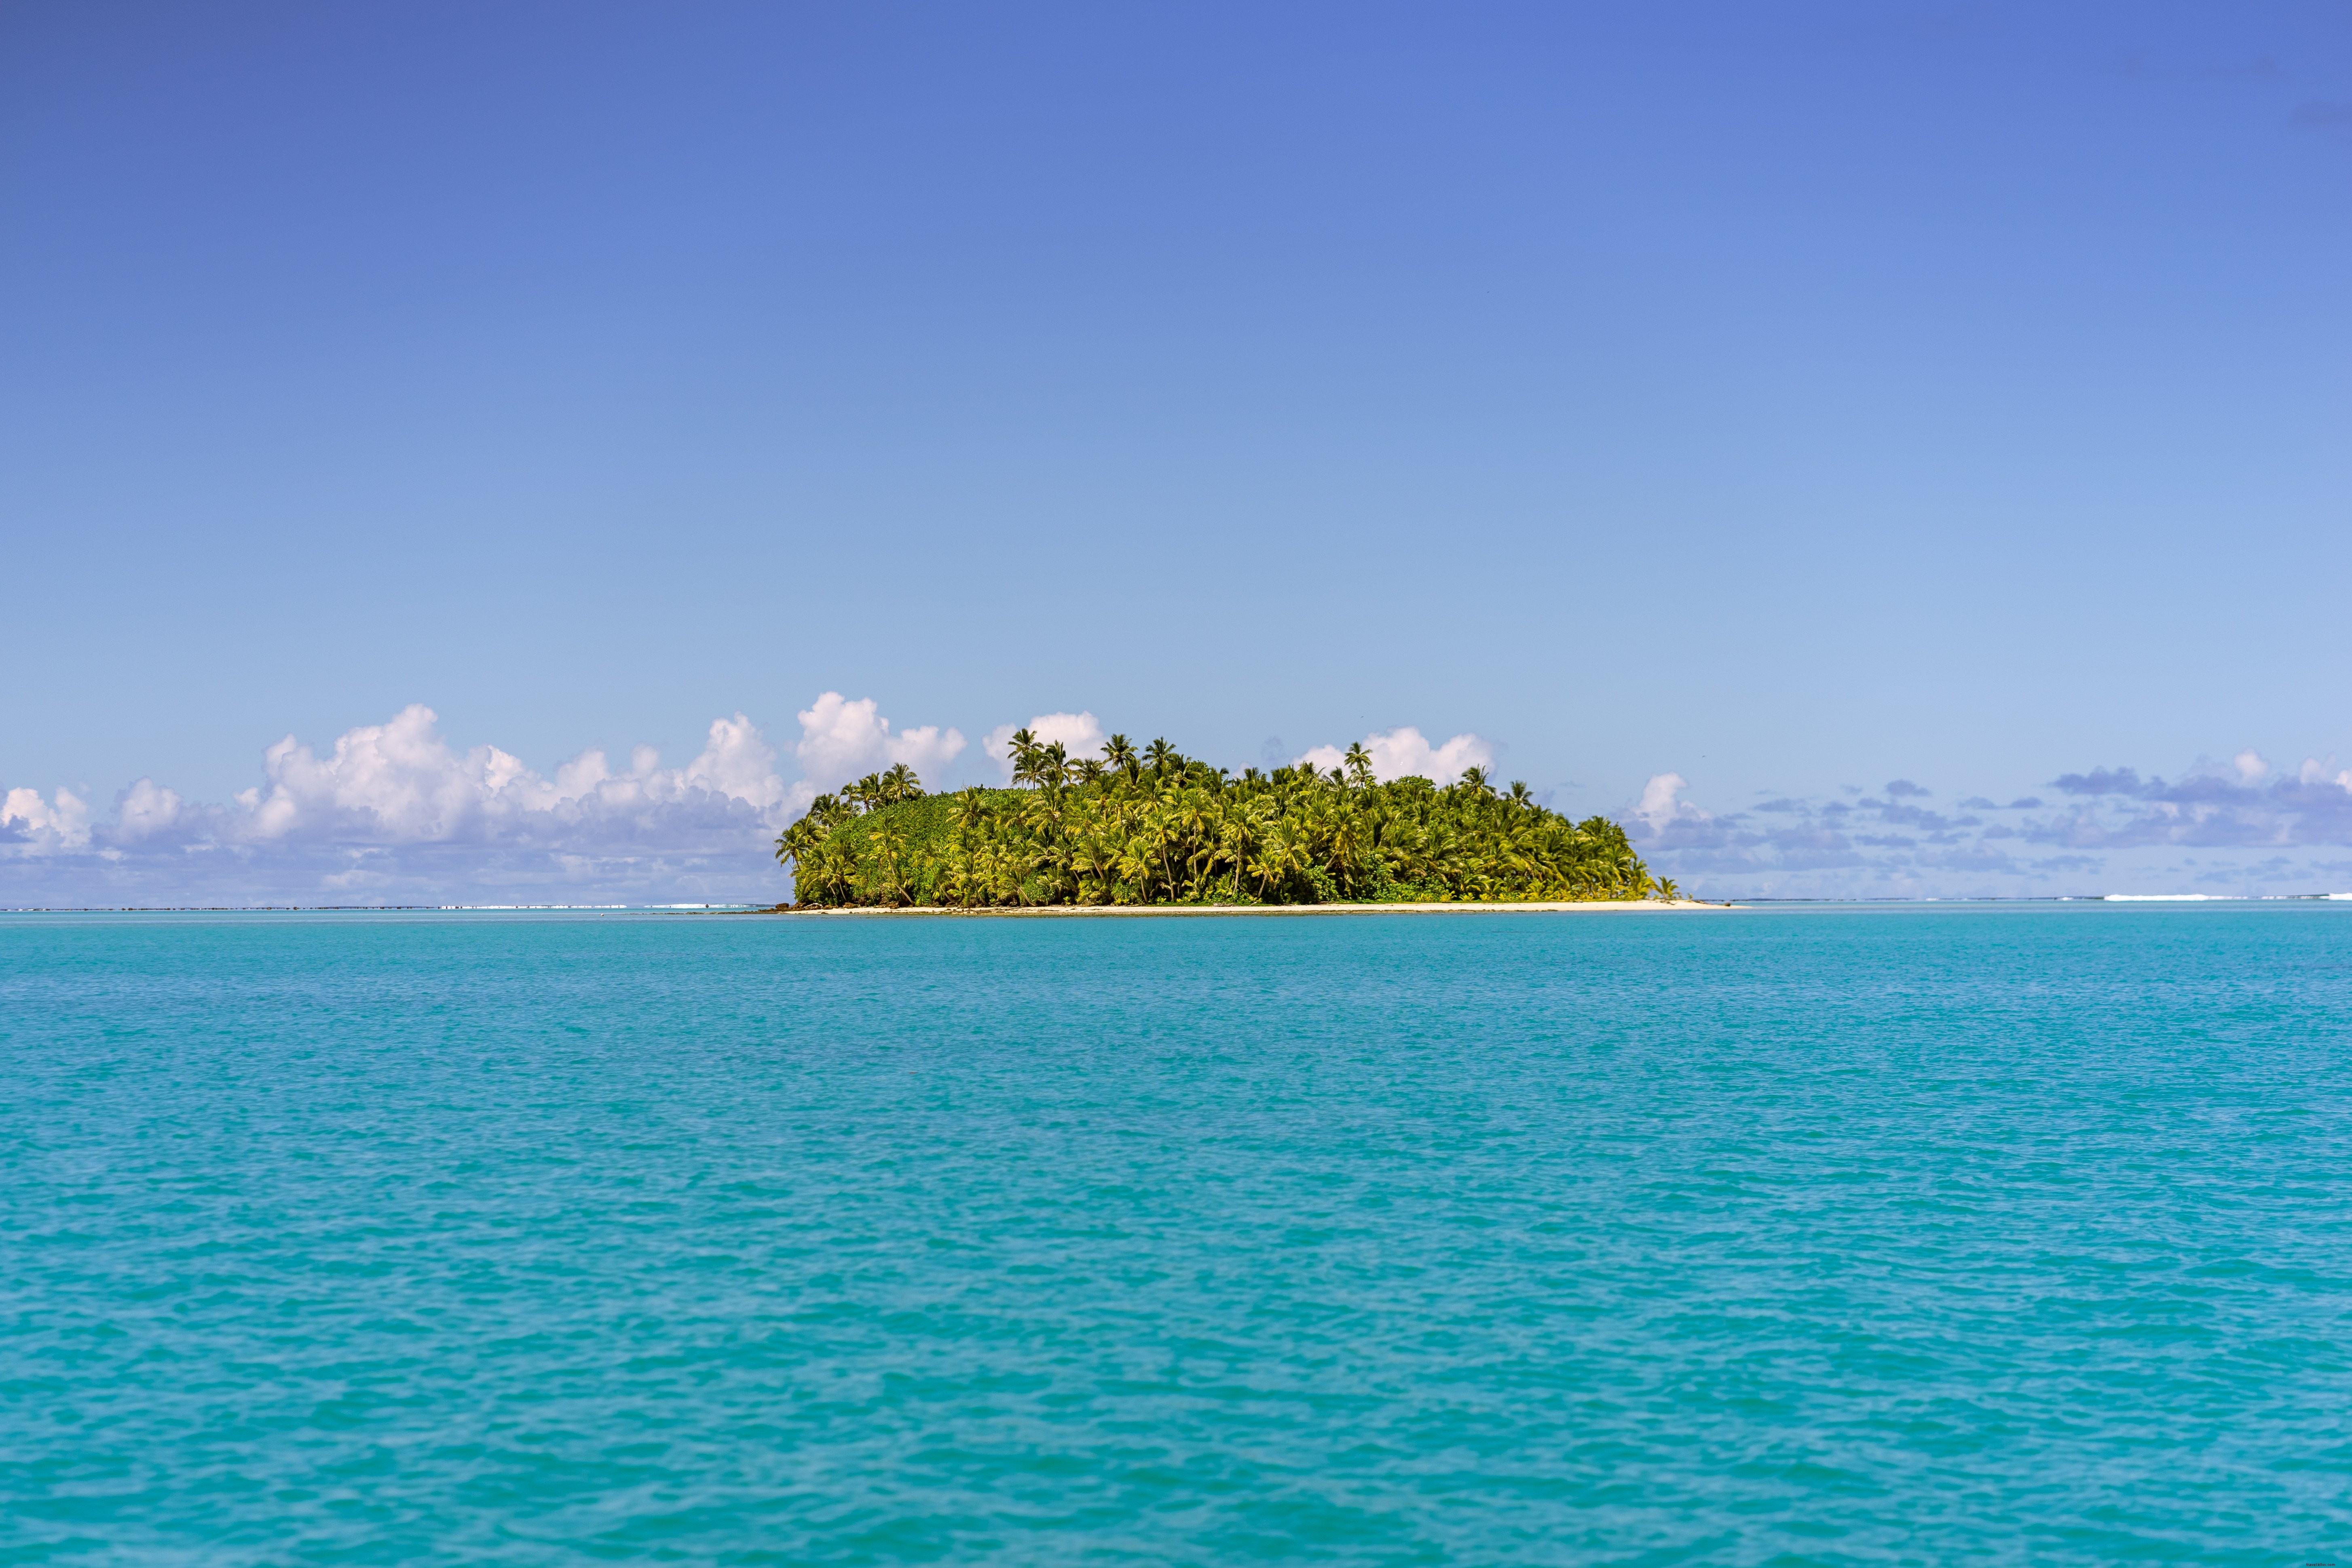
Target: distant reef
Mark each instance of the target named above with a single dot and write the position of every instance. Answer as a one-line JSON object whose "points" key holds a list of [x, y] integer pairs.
{"points": [[1156, 827]]}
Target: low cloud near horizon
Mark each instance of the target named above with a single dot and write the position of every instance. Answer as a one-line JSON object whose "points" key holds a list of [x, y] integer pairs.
{"points": [[394, 813], [2244, 827]]}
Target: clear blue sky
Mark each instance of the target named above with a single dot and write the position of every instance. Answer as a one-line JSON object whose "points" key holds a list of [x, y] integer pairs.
{"points": [[1789, 397]]}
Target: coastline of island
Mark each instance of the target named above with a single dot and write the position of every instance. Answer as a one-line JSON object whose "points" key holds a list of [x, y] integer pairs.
{"points": [[1148, 829]]}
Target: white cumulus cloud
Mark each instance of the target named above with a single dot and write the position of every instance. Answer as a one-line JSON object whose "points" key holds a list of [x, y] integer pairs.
{"points": [[1081, 734], [146, 808], [841, 741], [2314, 770], [1399, 754], [394, 811], [29, 825], [401, 782], [1662, 805]]}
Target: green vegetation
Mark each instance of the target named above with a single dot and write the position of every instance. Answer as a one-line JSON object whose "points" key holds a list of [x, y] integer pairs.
{"points": [[1156, 827]]}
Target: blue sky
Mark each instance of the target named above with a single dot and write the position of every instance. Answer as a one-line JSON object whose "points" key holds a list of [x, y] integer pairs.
{"points": [[1790, 400]]}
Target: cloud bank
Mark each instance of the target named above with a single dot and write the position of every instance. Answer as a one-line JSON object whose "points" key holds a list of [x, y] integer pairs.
{"points": [[393, 813], [2242, 827]]}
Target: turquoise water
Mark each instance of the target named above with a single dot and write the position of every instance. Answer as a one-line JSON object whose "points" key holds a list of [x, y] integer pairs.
{"points": [[1936, 1236]]}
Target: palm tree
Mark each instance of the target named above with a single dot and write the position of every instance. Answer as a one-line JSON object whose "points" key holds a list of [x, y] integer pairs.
{"points": [[1194, 832], [1237, 835], [1098, 857], [1348, 848], [890, 859], [1189, 816], [1135, 871]]}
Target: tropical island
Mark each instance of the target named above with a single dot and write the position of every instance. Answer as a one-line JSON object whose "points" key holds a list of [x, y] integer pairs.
{"points": [[1154, 827]]}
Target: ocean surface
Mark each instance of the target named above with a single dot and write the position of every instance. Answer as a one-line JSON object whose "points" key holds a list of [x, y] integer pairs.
{"points": [[1928, 1236]]}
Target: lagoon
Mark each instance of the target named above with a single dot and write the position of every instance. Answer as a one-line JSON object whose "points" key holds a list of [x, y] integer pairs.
{"points": [[1905, 1234]]}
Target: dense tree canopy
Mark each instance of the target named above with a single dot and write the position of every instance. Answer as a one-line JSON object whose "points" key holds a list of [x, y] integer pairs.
{"points": [[1156, 827]]}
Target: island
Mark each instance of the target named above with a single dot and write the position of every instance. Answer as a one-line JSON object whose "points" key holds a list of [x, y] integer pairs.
{"points": [[1155, 828]]}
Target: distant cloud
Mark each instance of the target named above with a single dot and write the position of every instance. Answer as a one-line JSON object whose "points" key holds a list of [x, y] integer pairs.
{"points": [[1972, 859], [841, 741], [2246, 807], [44, 826], [1403, 752], [1662, 806], [394, 813], [1682, 838], [1913, 816], [2099, 781], [1080, 734], [400, 783], [2114, 822]]}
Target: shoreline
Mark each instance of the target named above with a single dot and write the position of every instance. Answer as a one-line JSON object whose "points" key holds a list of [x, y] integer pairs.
{"points": [[1082, 911]]}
